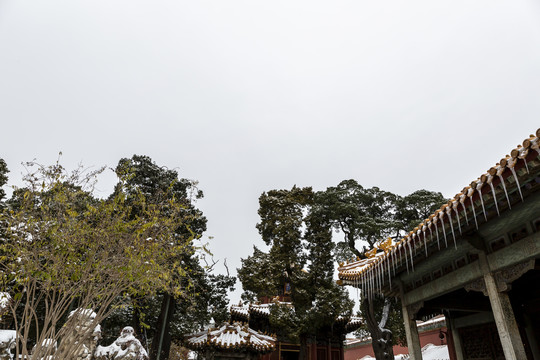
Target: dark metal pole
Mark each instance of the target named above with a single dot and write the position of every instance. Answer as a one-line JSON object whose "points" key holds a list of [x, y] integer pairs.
{"points": [[163, 327]]}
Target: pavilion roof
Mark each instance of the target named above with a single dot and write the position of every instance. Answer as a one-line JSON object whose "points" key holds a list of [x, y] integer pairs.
{"points": [[351, 323], [244, 312], [511, 180], [232, 337]]}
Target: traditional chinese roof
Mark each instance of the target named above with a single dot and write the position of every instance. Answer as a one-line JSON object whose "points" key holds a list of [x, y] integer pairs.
{"points": [[510, 181], [244, 312], [351, 323], [231, 337], [240, 312]]}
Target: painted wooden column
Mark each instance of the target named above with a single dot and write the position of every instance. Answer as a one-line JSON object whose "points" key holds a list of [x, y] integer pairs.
{"points": [[504, 315], [413, 340], [456, 338], [411, 331], [313, 349], [329, 351]]}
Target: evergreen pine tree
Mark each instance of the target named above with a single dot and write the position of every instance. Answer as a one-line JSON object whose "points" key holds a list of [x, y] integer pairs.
{"points": [[297, 225], [370, 216], [298, 232]]}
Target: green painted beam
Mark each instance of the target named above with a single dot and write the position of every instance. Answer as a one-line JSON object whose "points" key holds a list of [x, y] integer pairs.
{"points": [[445, 284], [525, 249]]}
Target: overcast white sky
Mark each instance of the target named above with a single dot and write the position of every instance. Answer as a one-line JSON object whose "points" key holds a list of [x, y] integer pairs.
{"points": [[248, 96]]}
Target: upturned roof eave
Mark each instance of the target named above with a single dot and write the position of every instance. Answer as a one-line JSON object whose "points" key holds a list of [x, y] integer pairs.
{"points": [[523, 157]]}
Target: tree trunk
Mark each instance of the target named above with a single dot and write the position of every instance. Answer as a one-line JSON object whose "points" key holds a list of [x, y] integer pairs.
{"points": [[161, 343], [137, 323], [381, 338]]}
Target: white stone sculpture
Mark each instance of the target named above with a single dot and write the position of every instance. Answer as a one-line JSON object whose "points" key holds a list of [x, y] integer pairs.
{"points": [[126, 347], [84, 334], [7, 344], [5, 300], [48, 348]]}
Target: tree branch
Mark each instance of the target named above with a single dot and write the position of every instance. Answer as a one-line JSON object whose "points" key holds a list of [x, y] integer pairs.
{"points": [[385, 313]]}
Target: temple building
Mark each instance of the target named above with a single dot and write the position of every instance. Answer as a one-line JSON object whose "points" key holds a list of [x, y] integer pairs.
{"points": [[326, 345], [476, 260]]}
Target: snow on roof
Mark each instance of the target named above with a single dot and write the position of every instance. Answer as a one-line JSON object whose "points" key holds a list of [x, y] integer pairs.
{"points": [[353, 268], [240, 310], [351, 323], [468, 208], [232, 336], [438, 320], [351, 320], [397, 357], [264, 309], [243, 313]]}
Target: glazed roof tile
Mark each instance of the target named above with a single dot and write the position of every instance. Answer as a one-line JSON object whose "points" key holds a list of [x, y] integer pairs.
{"points": [[236, 336], [245, 311]]}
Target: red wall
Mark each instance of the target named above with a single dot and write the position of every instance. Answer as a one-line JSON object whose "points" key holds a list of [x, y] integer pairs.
{"points": [[427, 337], [314, 352]]}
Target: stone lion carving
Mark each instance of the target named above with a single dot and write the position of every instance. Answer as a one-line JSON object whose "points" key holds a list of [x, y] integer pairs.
{"points": [[126, 347]]}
